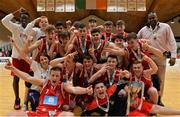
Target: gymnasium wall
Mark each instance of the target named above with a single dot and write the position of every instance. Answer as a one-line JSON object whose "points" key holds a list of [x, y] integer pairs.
{"points": [[3, 35], [175, 26]]}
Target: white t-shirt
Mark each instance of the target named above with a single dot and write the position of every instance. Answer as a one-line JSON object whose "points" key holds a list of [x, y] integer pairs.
{"points": [[18, 33], [39, 33], [161, 38], [39, 72]]}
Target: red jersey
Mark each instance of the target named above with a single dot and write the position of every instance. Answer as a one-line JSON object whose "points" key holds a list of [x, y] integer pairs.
{"points": [[147, 82], [111, 79], [83, 47], [50, 99], [86, 75], [133, 56], [110, 91], [44, 48], [145, 110], [99, 49], [107, 36], [70, 99], [125, 35]]}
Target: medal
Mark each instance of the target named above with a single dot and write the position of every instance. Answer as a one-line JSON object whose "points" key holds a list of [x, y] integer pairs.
{"points": [[111, 79], [67, 76], [138, 54], [82, 46], [86, 75], [98, 46], [102, 108]]}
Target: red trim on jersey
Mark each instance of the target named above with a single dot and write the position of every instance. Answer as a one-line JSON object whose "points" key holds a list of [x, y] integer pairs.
{"points": [[93, 104], [145, 110]]}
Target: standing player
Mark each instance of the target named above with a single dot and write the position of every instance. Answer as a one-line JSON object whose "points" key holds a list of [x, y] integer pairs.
{"points": [[19, 32]]}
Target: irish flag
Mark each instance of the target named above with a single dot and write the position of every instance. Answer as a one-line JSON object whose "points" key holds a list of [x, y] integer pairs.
{"points": [[91, 4]]}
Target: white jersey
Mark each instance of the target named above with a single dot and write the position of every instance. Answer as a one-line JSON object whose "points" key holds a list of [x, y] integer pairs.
{"points": [[39, 72]]}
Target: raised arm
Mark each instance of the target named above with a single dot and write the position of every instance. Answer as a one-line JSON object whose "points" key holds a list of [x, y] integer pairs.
{"points": [[153, 67], [91, 52], [77, 90], [70, 43], [6, 21], [35, 45], [98, 74], [152, 50], [115, 50], [29, 27], [56, 61], [53, 47], [24, 76]]}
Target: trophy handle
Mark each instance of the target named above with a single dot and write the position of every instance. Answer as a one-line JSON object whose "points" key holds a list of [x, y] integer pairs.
{"points": [[128, 101], [142, 95]]}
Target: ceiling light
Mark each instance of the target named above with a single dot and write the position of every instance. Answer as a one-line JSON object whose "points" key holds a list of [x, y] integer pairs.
{"points": [[172, 21]]}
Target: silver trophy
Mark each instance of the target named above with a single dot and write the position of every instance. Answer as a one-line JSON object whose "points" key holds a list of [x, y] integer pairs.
{"points": [[133, 89]]}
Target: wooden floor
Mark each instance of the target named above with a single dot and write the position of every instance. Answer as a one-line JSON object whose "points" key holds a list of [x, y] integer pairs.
{"points": [[171, 96]]}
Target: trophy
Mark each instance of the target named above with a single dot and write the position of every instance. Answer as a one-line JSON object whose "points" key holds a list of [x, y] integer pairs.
{"points": [[133, 89]]}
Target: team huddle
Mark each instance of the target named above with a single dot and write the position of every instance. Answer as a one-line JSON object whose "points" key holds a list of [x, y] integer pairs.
{"points": [[69, 66]]}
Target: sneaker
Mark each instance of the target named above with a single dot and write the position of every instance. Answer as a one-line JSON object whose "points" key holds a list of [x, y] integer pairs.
{"points": [[160, 103], [17, 105], [25, 107]]}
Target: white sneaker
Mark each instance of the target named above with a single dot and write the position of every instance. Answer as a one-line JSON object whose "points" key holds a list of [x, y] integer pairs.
{"points": [[25, 107]]}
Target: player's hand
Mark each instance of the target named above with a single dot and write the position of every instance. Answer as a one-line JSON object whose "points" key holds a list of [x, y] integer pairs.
{"points": [[89, 90], [8, 65], [71, 55], [144, 57], [125, 73], [21, 10], [105, 68], [91, 51], [172, 61]]}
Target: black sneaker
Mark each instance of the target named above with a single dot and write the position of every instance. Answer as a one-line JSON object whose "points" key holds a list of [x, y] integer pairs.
{"points": [[160, 103], [17, 105]]}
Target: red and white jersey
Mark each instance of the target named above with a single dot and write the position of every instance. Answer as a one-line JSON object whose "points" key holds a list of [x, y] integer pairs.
{"points": [[50, 101], [110, 79], [144, 111], [86, 75], [83, 46], [147, 81], [107, 36], [133, 56], [51, 98], [125, 35], [98, 50]]}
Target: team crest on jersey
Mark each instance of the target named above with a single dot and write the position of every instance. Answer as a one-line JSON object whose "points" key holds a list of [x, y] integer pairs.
{"points": [[50, 100]]}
